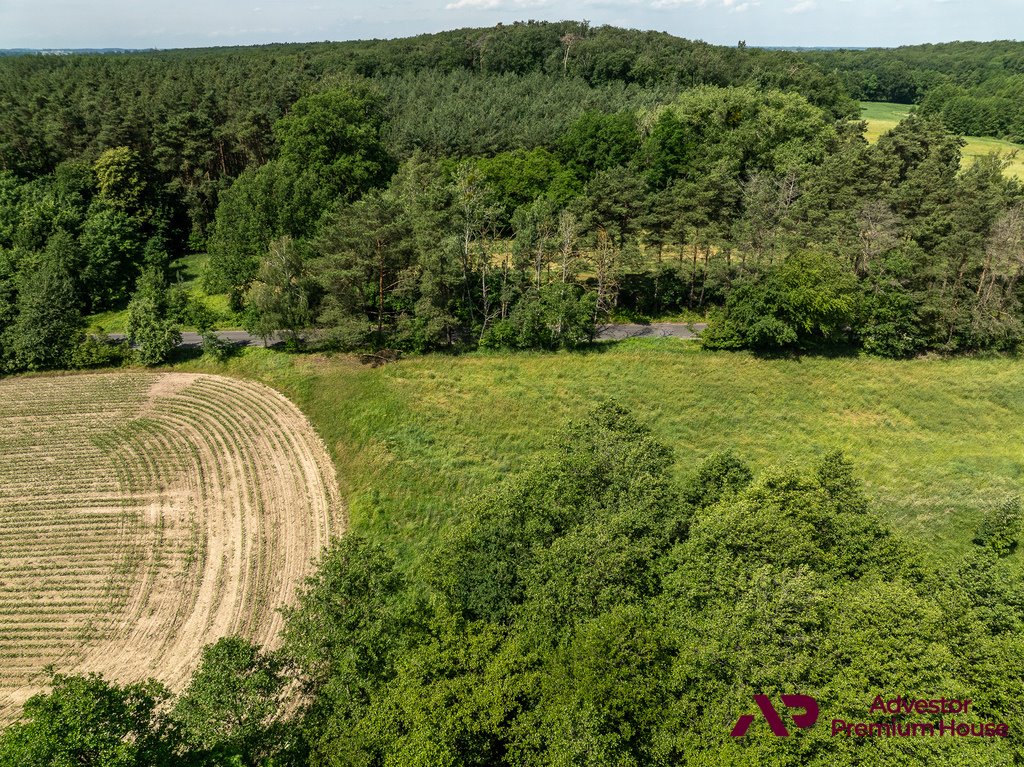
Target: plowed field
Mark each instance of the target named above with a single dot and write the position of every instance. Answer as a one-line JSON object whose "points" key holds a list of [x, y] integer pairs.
{"points": [[143, 516]]}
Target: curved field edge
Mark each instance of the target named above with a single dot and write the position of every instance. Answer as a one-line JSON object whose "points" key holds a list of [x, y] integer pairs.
{"points": [[144, 515], [935, 441]]}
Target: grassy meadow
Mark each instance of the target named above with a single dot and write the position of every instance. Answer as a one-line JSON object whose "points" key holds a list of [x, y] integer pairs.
{"points": [[882, 117], [934, 440]]}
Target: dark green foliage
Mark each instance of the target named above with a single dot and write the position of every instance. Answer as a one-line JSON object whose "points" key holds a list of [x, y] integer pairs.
{"points": [[111, 244], [719, 476], [216, 347], [229, 713], [364, 267], [261, 204], [972, 85], [558, 316], [519, 178], [48, 325], [353, 621], [347, 616], [679, 170], [606, 468], [330, 150], [87, 721], [589, 611], [808, 299], [1000, 529], [599, 142], [95, 352], [334, 136]]}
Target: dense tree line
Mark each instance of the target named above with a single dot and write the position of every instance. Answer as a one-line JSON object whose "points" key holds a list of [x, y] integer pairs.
{"points": [[592, 610], [753, 201], [513, 187]]}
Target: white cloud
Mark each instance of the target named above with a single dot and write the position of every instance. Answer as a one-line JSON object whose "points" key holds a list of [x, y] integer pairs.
{"points": [[487, 5], [733, 6], [803, 6]]}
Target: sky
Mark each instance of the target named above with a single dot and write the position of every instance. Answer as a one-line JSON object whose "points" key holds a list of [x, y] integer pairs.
{"points": [[191, 23]]}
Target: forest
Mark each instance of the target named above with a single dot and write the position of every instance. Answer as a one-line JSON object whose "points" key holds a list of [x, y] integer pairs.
{"points": [[514, 187]]}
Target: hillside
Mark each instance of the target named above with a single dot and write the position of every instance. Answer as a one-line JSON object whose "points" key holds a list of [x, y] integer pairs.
{"points": [[933, 440]]}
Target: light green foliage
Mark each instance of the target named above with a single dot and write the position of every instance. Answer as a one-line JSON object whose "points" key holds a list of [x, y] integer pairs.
{"points": [[215, 347], [518, 178], [752, 130], [119, 178], [351, 623], [279, 297], [94, 352], [8, 295], [151, 329], [429, 429], [263, 202], [718, 476], [604, 465]]}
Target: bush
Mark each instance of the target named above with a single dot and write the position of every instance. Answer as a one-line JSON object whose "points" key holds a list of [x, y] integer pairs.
{"points": [[97, 352], [216, 347], [558, 316], [808, 300]]}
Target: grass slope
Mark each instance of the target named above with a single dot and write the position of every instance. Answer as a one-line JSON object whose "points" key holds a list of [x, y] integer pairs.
{"points": [[935, 441], [882, 117]]}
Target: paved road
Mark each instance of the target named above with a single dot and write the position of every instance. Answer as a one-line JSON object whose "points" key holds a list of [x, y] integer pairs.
{"points": [[606, 333], [655, 329], [194, 340]]}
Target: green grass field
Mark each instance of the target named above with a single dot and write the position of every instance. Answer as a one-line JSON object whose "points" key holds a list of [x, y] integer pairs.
{"points": [[882, 117], [935, 441]]}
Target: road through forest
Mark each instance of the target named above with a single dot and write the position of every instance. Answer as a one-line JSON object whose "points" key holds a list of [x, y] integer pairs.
{"points": [[682, 330]]}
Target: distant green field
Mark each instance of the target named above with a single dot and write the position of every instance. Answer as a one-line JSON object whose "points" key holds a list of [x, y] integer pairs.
{"points": [[882, 117], [935, 441]]}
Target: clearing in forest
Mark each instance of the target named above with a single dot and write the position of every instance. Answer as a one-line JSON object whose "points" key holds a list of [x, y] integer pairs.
{"points": [[144, 515], [882, 117]]}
